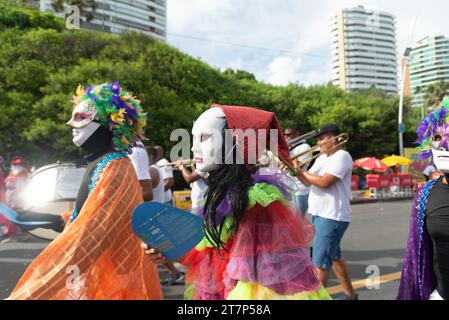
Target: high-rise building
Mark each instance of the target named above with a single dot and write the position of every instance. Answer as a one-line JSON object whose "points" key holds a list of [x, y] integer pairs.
{"points": [[429, 64], [364, 50], [117, 16]]}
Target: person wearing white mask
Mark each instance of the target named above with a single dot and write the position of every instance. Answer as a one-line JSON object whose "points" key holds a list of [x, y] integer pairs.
{"points": [[97, 241], [425, 271], [247, 217]]}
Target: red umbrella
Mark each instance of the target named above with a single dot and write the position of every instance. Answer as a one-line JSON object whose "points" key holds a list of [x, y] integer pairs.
{"points": [[371, 164]]}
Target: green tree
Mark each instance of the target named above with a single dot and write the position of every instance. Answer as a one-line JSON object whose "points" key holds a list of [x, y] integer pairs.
{"points": [[42, 63], [239, 75], [435, 93], [15, 14], [85, 6]]}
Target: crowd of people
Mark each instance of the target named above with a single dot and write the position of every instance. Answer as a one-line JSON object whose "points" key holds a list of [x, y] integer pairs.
{"points": [[258, 243]]}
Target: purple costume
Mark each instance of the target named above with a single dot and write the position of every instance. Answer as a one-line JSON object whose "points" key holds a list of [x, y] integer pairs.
{"points": [[418, 279]]}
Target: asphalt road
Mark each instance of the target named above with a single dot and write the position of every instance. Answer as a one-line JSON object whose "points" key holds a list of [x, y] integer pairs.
{"points": [[373, 247]]}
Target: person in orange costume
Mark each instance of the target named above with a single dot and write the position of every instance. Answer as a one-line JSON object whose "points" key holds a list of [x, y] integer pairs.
{"points": [[97, 256]]}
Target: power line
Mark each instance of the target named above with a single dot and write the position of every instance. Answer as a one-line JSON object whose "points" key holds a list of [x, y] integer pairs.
{"points": [[248, 46]]}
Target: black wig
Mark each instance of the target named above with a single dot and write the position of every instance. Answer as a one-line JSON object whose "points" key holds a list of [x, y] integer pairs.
{"points": [[233, 180]]}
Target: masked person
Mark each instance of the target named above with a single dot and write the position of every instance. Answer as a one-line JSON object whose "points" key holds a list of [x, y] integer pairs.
{"points": [[2, 180], [9, 190], [97, 256], [7, 228], [425, 273], [255, 246]]}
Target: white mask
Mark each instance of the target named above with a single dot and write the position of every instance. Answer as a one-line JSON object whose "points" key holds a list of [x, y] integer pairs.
{"points": [[441, 160], [208, 140], [82, 122], [440, 152], [81, 135], [83, 114]]}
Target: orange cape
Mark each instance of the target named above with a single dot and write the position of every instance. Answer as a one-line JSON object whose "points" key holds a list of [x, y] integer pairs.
{"points": [[97, 256]]}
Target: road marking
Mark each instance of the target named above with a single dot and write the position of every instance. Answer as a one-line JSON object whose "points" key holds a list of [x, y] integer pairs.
{"points": [[358, 284]]}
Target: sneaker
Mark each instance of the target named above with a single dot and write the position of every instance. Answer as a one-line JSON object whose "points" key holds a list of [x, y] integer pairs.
{"points": [[180, 267], [173, 279], [345, 297]]}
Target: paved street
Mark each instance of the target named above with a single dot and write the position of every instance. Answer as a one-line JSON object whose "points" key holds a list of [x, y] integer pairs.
{"points": [[375, 239]]}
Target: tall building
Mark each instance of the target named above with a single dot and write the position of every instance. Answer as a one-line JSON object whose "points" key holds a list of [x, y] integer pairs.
{"points": [[364, 50], [429, 64], [117, 16]]}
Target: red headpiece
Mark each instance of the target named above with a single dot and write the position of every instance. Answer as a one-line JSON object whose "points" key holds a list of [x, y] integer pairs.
{"points": [[245, 118]]}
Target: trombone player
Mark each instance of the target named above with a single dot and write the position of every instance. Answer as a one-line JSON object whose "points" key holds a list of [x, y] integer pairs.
{"points": [[297, 145], [329, 204]]}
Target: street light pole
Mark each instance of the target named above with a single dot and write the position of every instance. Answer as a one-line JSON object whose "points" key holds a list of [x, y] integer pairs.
{"points": [[401, 127], [401, 111]]}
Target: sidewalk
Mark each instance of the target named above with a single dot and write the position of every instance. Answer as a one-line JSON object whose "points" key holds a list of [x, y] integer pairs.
{"points": [[362, 201]]}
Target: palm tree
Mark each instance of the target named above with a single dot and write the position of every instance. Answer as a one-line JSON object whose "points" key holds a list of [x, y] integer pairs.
{"points": [[435, 93], [59, 6]]}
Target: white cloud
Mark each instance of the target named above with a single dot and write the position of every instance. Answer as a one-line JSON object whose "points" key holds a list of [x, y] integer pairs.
{"points": [[236, 64], [284, 70]]}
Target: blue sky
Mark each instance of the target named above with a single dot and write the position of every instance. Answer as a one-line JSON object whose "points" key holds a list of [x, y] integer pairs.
{"points": [[295, 34]]}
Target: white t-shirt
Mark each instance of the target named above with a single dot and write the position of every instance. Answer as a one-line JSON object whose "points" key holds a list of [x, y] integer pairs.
{"points": [[167, 172], [140, 161], [199, 188], [301, 189], [334, 202], [158, 191]]}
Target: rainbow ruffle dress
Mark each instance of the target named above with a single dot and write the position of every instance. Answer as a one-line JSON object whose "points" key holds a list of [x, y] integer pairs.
{"points": [[267, 258]]}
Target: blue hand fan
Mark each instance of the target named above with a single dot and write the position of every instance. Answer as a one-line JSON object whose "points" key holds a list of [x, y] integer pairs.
{"points": [[171, 231], [12, 216]]}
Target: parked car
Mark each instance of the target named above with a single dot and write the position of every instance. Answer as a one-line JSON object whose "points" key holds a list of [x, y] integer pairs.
{"points": [[51, 189]]}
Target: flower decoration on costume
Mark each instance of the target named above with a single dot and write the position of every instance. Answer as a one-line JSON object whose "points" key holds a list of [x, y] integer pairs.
{"points": [[434, 130], [116, 109]]}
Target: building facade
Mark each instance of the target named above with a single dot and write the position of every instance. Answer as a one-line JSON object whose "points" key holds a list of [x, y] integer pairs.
{"points": [[429, 64], [117, 16], [364, 50]]}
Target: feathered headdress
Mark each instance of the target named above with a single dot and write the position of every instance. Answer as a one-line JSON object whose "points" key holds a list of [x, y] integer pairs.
{"points": [[120, 112], [436, 123]]}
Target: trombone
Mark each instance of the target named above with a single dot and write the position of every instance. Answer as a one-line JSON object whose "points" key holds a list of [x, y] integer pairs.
{"points": [[341, 139], [293, 143]]}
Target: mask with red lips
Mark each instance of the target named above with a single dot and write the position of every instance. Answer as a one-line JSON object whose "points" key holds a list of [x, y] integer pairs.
{"points": [[208, 139], [83, 123]]}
